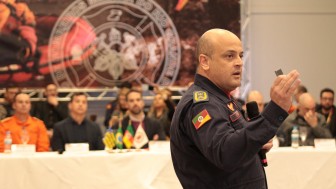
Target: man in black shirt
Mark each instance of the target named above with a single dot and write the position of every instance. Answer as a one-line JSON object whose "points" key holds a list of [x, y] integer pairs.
{"points": [[50, 110], [77, 128]]}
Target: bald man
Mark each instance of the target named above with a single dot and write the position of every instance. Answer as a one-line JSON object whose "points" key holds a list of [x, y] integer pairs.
{"points": [[212, 145], [22, 122], [257, 97], [307, 119]]}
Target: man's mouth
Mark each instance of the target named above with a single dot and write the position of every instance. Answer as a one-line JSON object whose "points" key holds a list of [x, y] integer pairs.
{"points": [[237, 73]]}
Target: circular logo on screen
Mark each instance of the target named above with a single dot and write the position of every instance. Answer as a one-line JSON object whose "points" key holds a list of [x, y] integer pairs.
{"points": [[103, 43]]}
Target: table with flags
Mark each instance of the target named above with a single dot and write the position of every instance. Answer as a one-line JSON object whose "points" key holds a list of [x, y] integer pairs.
{"points": [[303, 168], [134, 167]]}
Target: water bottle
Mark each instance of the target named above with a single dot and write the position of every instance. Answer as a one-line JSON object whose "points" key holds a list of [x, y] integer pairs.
{"points": [[295, 137], [8, 142]]}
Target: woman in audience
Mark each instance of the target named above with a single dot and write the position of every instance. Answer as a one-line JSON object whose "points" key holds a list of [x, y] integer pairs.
{"points": [[162, 109]]}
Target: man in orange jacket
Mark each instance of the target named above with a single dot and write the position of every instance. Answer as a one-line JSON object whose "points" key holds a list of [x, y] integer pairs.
{"points": [[21, 123]]}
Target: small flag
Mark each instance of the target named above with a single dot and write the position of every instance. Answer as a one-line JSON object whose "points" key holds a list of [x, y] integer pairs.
{"points": [[201, 118], [119, 137], [140, 138], [128, 136], [109, 139]]}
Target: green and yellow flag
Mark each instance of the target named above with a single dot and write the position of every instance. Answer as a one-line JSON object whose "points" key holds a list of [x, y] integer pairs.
{"points": [[119, 134], [119, 137]]}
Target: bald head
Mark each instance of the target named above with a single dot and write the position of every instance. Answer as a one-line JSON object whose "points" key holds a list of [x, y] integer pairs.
{"points": [[22, 104], [306, 103], [306, 98], [257, 97], [207, 42], [219, 54]]}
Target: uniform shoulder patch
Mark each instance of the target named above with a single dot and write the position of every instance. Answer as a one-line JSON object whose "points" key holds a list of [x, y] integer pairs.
{"points": [[200, 96], [201, 118]]}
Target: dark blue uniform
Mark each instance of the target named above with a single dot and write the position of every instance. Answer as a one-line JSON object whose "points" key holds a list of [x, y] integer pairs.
{"points": [[213, 146]]}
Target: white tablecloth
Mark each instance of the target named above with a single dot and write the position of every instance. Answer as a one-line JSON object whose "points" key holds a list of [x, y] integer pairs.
{"points": [[288, 169], [302, 168], [85, 171]]}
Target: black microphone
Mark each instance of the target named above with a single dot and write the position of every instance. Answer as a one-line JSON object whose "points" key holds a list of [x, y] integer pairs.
{"points": [[252, 112], [252, 109]]}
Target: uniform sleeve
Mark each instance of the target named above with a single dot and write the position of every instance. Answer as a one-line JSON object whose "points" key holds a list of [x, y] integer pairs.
{"points": [[226, 139], [43, 139], [171, 108], [284, 132]]}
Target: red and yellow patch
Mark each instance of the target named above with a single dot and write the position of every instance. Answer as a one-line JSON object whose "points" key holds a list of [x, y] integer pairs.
{"points": [[201, 118], [230, 106]]}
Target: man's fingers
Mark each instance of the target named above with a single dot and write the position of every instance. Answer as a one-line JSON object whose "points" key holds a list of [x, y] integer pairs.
{"points": [[288, 83], [291, 78], [295, 85]]}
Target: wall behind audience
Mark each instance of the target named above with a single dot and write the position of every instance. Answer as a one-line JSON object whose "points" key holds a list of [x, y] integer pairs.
{"points": [[293, 34]]}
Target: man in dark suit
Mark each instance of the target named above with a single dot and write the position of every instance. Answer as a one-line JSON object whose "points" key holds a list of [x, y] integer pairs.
{"points": [[77, 128], [136, 116]]}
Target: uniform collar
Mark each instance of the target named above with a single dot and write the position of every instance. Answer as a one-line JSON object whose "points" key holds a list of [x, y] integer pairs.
{"points": [[209, 86], [20, 123]]}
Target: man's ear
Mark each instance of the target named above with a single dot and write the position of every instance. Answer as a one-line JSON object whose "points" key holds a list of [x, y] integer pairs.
{"points": [[204, 62]]}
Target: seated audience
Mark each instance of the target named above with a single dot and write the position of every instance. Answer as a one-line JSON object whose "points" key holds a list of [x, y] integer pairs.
{"points": [[114, 108], [162, 109], [10, 92], [305, 117], [50, 110], [298, 92], [136, 116], [77, 128], [327, 108], [22, 122], [3, 112]]}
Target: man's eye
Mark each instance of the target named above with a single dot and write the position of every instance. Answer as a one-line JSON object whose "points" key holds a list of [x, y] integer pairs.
{"points": [[229, 56]]}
